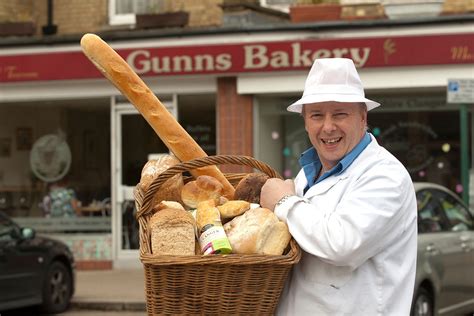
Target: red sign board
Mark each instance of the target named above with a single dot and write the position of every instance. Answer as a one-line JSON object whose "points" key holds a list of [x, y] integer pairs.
{"points": [[247, 57]]}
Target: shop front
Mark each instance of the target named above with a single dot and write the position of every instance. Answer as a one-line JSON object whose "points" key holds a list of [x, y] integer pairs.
{"points": [[230, 95]]}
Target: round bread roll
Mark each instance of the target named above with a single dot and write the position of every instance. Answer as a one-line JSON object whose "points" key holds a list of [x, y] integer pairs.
{"points": [[172, 233], [233, 208], [202, 189], [249, 188], [171, 189], [257, 231]]}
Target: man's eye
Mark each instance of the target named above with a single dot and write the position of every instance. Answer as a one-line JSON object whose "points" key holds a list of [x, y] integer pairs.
{"points": [[339, 115]]}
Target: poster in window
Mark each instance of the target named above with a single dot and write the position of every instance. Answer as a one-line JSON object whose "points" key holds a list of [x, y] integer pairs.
{"points": [[24, 138]]}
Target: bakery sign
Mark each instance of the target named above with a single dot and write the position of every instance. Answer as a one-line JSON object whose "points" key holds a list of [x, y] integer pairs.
{"points": [[246, 57]]}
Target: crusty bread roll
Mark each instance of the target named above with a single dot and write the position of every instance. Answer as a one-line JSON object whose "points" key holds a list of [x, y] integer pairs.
{"points": [[167, 204], [257, 231], [175, 137], [172, 233], [207, 213], [202, 189], [171, 189], [233, 208], [249, 188]]}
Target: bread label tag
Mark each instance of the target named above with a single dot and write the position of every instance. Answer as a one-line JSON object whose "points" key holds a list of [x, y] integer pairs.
{"points": [[213, 240]]}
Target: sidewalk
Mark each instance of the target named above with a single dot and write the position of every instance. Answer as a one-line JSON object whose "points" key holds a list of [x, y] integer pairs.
{"points": [[112, 290]]}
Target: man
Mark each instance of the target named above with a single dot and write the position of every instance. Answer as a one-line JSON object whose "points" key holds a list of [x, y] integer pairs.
{"points": [[352, 207]]}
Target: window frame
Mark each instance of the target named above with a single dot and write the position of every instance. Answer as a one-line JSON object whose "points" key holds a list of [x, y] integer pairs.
{"points": [[120, 19]]}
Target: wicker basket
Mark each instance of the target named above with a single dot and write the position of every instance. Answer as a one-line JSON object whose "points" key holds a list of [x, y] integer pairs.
{"points": [[214, 284]]}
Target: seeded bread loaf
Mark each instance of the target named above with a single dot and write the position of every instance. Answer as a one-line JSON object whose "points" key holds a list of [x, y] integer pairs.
{"points": [[172, 233]]}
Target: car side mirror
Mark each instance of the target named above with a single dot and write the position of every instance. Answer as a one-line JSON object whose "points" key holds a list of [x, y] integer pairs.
{"points": [[27, 233]]}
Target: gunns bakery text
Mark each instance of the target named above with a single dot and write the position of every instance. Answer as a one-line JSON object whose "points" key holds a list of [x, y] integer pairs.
{"points": [[254, 57]]}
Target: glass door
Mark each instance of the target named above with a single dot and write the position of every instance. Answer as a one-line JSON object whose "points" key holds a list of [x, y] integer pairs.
{"points": [[134, 143]]}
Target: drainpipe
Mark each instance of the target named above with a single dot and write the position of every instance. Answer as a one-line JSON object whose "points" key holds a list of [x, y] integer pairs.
{"points": [[50, 28]]}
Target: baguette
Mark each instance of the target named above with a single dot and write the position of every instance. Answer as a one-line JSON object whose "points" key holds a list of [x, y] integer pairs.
{"points": [[175, 137]]}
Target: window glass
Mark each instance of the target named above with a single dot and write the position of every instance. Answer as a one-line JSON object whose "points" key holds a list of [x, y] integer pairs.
{"points": [[430, 216], [458, 215], [420, 130]]}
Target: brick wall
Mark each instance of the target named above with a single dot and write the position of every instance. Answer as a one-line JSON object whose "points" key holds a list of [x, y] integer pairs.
{"points": [[201, 12], [235, 121], [16, 11], [73, 16]]}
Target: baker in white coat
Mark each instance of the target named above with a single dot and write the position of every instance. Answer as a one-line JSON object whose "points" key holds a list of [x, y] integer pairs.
{"points": [[352, 207]]}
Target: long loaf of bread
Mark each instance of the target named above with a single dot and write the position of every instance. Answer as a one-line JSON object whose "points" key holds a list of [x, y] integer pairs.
{"points": [[175, 137]]}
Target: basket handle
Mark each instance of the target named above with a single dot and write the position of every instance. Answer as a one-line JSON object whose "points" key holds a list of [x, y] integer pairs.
{"points": [[146, 197]]}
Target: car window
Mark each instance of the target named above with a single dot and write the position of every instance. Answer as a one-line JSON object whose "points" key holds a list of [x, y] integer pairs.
{"points": [[458, 215], [430, 213]]}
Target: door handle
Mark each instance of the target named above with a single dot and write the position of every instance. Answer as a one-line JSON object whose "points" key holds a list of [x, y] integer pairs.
{"points": [[431, 249], [465, 247]]}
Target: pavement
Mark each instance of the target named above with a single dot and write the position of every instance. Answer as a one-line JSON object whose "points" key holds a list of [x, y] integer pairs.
{"points": [[110, 290]]}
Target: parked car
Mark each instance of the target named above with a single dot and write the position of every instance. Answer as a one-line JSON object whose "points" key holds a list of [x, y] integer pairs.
{"points": [[33, 270], [445, 265]]}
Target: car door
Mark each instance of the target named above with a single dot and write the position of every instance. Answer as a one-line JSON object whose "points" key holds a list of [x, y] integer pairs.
{"points": [[459, 275], [19, 269]]}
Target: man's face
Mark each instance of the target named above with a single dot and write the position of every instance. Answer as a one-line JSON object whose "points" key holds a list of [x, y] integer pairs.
{"points": [[334, 129]]}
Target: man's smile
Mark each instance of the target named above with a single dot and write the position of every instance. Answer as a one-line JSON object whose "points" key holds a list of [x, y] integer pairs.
{"points": [[330, 141]]}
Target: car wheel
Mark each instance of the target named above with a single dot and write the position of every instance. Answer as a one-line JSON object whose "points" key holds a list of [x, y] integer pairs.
{"points": [[57, 288], [423, 303]]}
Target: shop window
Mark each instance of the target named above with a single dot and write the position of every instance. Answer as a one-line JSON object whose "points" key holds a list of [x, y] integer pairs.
{"points": [[421, 131]]}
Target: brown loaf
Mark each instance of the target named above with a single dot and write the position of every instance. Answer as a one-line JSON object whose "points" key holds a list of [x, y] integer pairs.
{"points": [[249, 188], [173, 233], [175, 137]]}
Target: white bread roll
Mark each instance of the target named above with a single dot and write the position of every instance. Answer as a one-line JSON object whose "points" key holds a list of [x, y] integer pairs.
{"points": [[171, 189], [257, 231], [175, 137], [172, 233], [202, 189]]}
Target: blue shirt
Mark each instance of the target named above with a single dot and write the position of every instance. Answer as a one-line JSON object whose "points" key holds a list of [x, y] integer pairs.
{"points": [[311, 163]]}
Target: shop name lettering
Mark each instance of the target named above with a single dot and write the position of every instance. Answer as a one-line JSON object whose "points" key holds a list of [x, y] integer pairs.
{"points": [[255, 57]]}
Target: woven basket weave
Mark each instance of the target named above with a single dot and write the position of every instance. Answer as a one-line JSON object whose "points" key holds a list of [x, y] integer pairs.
{"points": [[213, 284]]}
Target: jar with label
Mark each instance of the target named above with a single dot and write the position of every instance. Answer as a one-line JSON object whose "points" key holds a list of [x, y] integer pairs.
{"points": [[211, 235]]}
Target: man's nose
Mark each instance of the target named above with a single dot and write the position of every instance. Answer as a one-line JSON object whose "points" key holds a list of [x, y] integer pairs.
{"points": [[328, 123]]}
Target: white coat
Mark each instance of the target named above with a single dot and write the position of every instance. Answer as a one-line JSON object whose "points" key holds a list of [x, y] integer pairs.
{"points": [[358, 233]]}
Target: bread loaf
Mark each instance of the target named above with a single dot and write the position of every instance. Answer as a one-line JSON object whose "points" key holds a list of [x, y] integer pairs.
{"points": [[171, 189], [172, 233], [202, 189], [175, 137], [257, 231], [249, 188]]}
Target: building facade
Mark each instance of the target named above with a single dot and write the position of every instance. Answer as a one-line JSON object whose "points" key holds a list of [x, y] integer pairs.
{"points": [[226, 70]]}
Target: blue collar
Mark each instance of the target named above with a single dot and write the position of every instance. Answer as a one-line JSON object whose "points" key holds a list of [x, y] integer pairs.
{"points": [[311, 164]]}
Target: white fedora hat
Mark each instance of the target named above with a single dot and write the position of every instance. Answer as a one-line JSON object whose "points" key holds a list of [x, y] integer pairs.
{"points": [[332, 79]]}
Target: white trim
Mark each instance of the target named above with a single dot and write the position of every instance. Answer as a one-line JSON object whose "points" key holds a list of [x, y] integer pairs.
{"points": [[82, 89], [372, 78]]}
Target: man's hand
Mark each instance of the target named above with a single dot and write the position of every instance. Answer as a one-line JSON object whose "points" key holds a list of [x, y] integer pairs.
{"points": [[273, 190]]}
